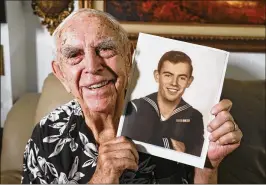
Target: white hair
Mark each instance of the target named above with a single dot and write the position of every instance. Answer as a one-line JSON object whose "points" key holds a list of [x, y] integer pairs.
{"points": [[122, 33]]}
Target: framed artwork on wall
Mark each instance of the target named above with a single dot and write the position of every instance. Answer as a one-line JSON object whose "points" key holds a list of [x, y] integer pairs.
{"points": [[52, 13], [229, 25]]}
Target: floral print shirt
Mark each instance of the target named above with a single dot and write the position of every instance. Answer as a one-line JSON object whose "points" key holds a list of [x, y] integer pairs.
{"points": [[62, 150]]}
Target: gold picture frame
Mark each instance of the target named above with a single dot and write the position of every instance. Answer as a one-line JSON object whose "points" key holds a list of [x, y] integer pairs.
{"points": [[52, 12], [235, 38]]}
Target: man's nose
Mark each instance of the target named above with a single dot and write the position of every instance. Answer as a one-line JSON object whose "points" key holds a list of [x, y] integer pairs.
{"points": [[175, 81], [93, 63]]}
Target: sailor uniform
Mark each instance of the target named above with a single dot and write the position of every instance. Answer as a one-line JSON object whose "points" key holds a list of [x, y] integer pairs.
{"points": [[143, 122]]}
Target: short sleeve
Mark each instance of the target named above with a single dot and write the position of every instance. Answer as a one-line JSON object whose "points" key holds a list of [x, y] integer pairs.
{"points": [[32, 172]]}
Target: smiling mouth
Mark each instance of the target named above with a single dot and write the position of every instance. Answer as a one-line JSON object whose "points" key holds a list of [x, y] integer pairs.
{"points": [[172, 90], [100, 85]]}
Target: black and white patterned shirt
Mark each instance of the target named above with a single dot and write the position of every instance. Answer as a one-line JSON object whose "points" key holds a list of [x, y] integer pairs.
{"points": [[62, 150]]}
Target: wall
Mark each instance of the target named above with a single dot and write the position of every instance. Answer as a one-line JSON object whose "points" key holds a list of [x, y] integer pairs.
{"points": [[6, 90], [38, 50], [13, 83], [17, 43], [34, 32]]}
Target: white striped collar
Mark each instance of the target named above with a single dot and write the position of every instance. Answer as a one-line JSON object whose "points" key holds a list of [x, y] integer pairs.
{"points": [[166, 142], [175, 111]]}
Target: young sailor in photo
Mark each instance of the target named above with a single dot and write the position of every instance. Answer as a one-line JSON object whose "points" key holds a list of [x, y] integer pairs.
{"points": [[164, 118]]}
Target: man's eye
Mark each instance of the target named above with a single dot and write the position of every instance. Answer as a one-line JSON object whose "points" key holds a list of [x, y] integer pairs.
{"points": [[73, 55], [74, 58], [106, 52], [105, 49]]}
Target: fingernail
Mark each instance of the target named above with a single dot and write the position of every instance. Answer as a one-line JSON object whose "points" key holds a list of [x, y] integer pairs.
{"points": [[209, 128], [210, 138], [218, 142]]}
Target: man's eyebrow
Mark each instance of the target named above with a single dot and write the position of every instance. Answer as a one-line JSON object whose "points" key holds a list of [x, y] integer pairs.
{"points": [[69, 49], [167, 72], [185, 75], [109, 43]]}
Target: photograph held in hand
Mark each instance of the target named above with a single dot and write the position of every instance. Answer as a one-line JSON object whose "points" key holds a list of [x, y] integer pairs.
{"points": [[173, 87]]}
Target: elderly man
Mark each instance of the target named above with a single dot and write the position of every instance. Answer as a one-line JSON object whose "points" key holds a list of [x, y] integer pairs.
{"points": [[76, 142]]}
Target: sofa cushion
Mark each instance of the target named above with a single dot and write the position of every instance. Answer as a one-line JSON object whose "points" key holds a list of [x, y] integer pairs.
{"points": [[10, 177], [246, 165], [53, 95], [17, 130]]}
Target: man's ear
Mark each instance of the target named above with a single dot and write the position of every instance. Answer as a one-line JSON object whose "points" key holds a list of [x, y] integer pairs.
{"points": [[129, 61], [60, 75], [130, 55], [190, 81], [132, 49], [156, 75]]}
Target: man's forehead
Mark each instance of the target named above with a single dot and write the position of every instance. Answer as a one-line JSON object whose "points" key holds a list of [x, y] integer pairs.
{"points": [[169, 66], [88, 27]]}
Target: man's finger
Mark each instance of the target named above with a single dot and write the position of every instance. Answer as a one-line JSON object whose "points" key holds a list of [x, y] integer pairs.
{"points": [[124, 163], [224, 129], [116, 140], [219, 120], [120, 146], [119, 154], [230, 138], [224, 105]]}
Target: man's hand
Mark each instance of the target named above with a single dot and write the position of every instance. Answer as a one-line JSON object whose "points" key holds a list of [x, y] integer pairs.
{"points": [[178, 145], [114, 157], [225, 135]]}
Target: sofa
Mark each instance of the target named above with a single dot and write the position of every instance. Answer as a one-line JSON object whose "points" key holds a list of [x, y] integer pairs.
{"points": [[245, 165]]}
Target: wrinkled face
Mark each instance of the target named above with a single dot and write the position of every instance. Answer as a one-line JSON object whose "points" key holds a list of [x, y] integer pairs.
{"points": [[92, 62], [173, 79]]}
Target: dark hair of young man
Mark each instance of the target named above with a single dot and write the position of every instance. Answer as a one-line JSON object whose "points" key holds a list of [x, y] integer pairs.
{"points": [[175, 57]]}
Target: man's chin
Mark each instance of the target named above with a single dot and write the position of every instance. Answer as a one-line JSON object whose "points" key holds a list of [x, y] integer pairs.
{"points": [[172, 99], [100, 106]]}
